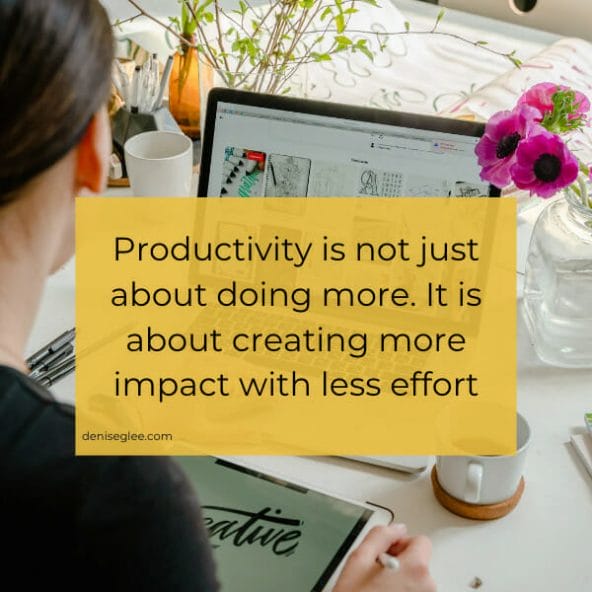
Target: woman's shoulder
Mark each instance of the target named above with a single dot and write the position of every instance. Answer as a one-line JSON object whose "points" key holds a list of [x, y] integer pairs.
{"points": [[141, 508], [25, 407], [37, 442]]}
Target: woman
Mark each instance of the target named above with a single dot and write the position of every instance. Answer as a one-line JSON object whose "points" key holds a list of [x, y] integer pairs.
{"points": [[125, 523]]}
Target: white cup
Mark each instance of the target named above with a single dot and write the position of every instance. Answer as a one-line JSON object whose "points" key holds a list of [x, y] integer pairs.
{"points": [[159, 164], [485, 479]]}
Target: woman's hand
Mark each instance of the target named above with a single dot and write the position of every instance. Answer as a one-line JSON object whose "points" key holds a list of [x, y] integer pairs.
{"points": [[362, 572]]}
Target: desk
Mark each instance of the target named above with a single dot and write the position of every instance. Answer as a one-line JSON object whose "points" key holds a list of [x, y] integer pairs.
{"points": [[543, 546]]}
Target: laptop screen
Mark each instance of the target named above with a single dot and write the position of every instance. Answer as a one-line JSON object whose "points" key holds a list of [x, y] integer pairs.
{"points": [[260, 151]]}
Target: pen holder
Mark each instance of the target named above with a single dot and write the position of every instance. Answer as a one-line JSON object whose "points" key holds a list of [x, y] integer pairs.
{"points": [[126, 124]]}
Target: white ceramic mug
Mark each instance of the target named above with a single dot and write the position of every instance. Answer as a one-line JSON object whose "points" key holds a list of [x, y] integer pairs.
{"points": [[159, 164], [485, 479]]}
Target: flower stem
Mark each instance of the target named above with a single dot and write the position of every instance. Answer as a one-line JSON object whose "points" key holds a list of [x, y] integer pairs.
{"points": [[583, 191]]}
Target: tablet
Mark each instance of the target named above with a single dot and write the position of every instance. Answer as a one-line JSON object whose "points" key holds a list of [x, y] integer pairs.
{"points": [[268, 534]]}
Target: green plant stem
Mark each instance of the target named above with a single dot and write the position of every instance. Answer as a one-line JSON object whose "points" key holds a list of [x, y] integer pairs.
{"points": [[256, 66], [220, 37], [171, 30], [583, 192], [271, 10], [131, 19], [306, 58], [297, 36], [275, 63], [378, 34]]}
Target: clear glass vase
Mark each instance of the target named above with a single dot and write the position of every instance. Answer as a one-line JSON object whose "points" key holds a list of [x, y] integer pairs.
{"points": [[557, 302]]}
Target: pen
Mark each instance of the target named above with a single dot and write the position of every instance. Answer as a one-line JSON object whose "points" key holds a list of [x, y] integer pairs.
{"points": [[123, 81], [57, 367], [54, 345], [135, 89], [49, 361], [163, 82], [272, 173], [55, 375], [388, 561], [149, 84], [154, 82]]}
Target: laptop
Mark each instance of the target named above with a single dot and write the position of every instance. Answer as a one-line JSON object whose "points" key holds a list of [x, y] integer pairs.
{"points": [[258, 145]]}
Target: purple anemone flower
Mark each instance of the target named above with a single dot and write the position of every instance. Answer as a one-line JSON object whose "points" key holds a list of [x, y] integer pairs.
{"points": [[544, 165], [496, 149]]}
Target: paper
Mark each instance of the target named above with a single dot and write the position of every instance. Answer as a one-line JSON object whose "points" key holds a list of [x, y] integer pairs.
{"points": [[583, 446]]}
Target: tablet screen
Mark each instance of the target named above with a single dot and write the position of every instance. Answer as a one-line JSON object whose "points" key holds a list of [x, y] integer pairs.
{"points": [[269, 535]]}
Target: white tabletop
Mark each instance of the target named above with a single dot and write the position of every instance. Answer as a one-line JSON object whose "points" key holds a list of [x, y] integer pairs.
{"points": [[544, 545]]}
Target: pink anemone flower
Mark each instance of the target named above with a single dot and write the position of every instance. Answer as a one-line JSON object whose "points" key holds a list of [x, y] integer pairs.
{"points": [[496, 149], [544, 165]]}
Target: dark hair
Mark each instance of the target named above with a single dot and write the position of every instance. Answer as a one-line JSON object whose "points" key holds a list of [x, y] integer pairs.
{"points": [[55, 65]]}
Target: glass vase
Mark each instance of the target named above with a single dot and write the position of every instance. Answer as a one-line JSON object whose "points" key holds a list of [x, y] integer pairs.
{"points": [[184, 92], [557, 301]]}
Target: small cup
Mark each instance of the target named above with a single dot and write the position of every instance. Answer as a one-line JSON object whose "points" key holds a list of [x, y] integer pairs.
{"points": [[159, 164], [485, 480]]}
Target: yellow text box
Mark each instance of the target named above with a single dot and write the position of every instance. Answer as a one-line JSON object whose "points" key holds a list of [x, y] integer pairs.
{"points": [[296, 326]]}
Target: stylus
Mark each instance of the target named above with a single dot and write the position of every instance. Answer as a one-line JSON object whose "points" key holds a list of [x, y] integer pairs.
{"points": [[163, 83], [388, 561]]}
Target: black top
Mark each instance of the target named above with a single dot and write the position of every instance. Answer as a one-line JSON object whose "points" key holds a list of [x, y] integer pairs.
{"points": [[90, 523]]}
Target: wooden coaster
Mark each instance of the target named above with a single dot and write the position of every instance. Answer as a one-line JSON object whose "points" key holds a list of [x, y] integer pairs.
{"points": [[123, 182], [475, 511]]}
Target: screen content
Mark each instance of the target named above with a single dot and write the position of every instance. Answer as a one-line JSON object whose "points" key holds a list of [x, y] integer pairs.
{"points": [[269, 535], [261, 152]]}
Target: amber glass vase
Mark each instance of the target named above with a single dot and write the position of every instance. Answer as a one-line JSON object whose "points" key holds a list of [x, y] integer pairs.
{"points": [[184, 92]]}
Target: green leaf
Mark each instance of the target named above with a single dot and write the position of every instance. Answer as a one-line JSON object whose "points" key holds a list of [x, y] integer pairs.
{"points": [[326, 13], [306, 4], [366, 52], [440, 16], [407, 26], [350, 11], [481, 42], [340, 23], [208, 17], [320, 57], [343, 40], [515, 61], [190, 28]]}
